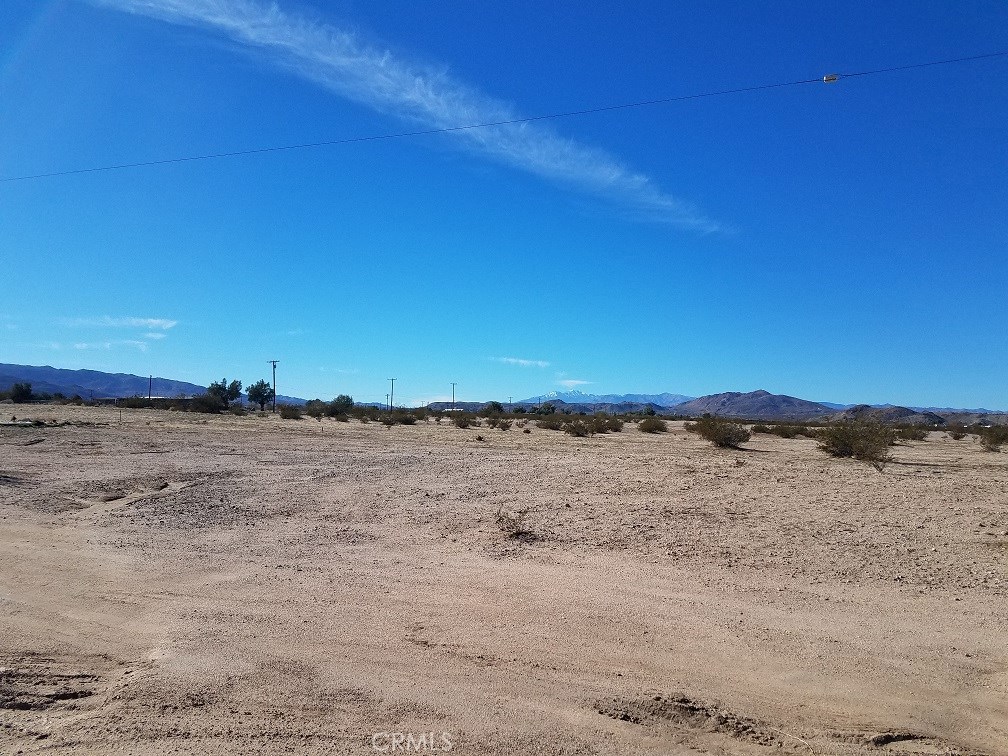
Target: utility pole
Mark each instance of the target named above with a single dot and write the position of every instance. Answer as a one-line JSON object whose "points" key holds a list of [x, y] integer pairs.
{"points": [[391, 401], [274, 364], [150, 386], [387, 405], [453, 396]]}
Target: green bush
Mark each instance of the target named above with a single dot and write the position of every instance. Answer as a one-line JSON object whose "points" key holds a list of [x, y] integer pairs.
{"points": [[720, 432], [652, 425], [866, 441], [577, 428], [289, 411], [237, 409], [341, 405], [406, 418], [461, 421]]}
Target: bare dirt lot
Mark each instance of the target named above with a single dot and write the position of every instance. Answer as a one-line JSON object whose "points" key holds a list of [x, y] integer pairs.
{"points": [[177, 583]]}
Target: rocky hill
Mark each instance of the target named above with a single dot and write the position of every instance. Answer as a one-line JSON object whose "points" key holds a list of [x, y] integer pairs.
{"points": [[891, 414], [754, 405]]}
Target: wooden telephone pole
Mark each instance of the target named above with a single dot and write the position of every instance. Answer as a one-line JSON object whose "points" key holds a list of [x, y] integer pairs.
{"points": [[274, 364]]}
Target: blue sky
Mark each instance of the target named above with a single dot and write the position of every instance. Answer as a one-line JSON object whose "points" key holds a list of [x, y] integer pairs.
{"points": [[840, 242]]}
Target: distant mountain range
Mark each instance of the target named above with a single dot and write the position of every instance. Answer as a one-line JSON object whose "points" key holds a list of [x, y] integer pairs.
{"points": [[91, 383], [579, 397], [94, 384], [754, 405]]}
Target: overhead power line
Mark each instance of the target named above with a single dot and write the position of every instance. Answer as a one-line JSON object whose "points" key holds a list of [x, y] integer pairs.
{"points": [[828, 78]]}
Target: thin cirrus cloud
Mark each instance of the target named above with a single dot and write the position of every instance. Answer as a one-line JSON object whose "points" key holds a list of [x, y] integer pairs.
{"points": [[108, 345], [369, 75], [523, 362], [570, 383], [105, 321]]}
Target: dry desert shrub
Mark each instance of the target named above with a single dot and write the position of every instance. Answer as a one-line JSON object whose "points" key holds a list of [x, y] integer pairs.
{"points": [[461, 421], [992, 438], [551, 422], [512, 524], [652, 425], [720, 432], [503, 424], [863, 440], [577, 428], [789, 430], [956, 433], [602, 423], [289, 411], [912, 433]]}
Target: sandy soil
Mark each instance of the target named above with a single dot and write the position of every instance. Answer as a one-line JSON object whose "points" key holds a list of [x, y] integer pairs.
{"points": [[174, 583]]}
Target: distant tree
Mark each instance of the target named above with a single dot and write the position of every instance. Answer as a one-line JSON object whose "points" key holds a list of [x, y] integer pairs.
{"points": [[21, 392], [493, 408], [547, 409], [224, 391], [260, 393], [341, 405]]}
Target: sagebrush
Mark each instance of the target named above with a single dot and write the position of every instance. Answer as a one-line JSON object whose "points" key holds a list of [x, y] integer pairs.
{"points": [[866, 441]]}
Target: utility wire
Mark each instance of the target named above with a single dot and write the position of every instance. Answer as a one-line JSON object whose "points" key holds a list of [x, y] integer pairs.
{"points": [[512, 121]]}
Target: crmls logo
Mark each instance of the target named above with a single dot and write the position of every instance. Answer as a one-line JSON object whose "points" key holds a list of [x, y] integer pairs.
{"points": [[415, 742]]}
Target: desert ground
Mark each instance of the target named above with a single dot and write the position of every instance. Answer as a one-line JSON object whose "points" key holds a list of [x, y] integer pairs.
{"points": [[181, 583]]}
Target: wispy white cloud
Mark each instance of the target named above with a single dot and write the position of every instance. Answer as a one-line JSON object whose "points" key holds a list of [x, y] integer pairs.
{"points": [[154, 336], [108, 345], [570, 383], [105, 321], [522, 362], [365, 73]]}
